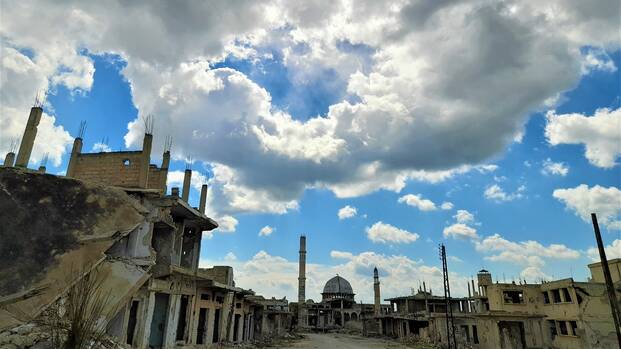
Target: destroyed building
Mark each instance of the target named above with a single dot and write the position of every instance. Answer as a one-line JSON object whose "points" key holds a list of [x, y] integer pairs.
{"points": [[562, 314], [111, 217], [337, 308]]}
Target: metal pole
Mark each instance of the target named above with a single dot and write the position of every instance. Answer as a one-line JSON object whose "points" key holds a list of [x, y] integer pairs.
{"points": [[450, 324], [611, 291]]}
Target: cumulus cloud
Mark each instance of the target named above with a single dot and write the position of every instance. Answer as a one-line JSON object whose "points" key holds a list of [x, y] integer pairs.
{"points": [[495, 193], [529, 254], [101, 148], [416, 200], [386, 233], [266, 231], [460, 231], [397, 97], [612, 251], [584, 200], [347, 212], [554, 168], [463, 216], [230, 257], [276, 276], [599, 134]]}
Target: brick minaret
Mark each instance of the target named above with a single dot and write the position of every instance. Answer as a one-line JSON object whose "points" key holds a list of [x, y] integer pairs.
{"points": [[302, 284], [376, 291]]}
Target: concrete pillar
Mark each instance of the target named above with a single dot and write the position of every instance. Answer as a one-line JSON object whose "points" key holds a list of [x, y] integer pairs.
{"points": [[75, 153], [147, 143], [203, 200], [170, 333], [30, 133], [187, 178], [174, 191], [9, 160], [145, 329], [164, 170]]}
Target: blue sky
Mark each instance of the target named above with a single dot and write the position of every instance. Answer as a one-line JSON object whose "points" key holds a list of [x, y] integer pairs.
{"points": [[293, 122]]}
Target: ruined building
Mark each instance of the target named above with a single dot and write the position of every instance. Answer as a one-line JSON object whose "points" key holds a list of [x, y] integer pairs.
{"points": [[563, 314], [337, 308], [111, 217]]}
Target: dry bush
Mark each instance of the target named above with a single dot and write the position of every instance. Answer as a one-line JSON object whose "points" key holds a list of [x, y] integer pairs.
{"points": [[74, 321]]}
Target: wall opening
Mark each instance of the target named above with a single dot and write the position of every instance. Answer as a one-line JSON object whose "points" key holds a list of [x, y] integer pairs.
{"points": [[131, 322], [236, 327], [181, 324], [158, 324], [201, 329], [216, 326]]}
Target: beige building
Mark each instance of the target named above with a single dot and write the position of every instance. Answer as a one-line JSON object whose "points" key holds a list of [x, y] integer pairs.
{"points": [[562, 314], [111, 217]]}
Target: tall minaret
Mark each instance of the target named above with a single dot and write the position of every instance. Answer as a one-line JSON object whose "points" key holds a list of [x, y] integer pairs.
{"points": [[376, 291], [302, 283]]}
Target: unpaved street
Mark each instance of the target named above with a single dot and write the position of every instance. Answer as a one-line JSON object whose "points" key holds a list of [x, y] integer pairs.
{"points": [[341, 341]]}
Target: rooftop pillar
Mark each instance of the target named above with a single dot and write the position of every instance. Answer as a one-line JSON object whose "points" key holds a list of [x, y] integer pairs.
{"points": [[147, 142], [75, 152], [203, 200], [185, 194], [164, 170], [30, 133], [9, 160]]}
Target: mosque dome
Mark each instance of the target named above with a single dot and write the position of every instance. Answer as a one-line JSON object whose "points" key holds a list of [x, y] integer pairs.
{"points": [[338, 285]]}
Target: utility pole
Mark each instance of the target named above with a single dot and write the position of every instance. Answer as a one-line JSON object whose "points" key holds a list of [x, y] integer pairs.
{"points": [[450, 324], [611, 291]]}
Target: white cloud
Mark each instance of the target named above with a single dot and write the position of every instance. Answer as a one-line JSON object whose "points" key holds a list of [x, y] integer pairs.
{"points": [[529, 254], [463, 216], [460, 231], [496, 193], [447, 205], [612, 251], [101, 147], [347, 212], [406, 96], [418, 202], [226, 224], [230, 257], [266, 231], [341, 255], [597, 59], [599, 134], [584, 200], [554, 168], [271, 275], [386, 233]]}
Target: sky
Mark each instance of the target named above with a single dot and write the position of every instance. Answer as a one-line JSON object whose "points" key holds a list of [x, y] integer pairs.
{"points": [[377, 129]]}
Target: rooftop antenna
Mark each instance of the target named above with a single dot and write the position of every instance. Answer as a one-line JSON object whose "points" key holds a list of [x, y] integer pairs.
{"points": [[168, 143], [82, 129], [44, 160], [148, 123], [39, 99], [13, 145]]}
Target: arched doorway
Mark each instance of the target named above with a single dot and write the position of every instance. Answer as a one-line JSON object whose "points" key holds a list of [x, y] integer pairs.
{"points": [[346, 317], [354, 317], [337, 319]]}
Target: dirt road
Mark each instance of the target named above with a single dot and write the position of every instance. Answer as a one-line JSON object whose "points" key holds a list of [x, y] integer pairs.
{"points": [[341, 341]]}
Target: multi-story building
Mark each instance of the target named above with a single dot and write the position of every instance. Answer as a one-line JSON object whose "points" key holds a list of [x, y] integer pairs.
{"points": [[111, 217], [563, 314]]}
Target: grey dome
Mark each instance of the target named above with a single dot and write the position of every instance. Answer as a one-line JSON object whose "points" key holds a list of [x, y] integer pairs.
{"points": [[338, 285]]}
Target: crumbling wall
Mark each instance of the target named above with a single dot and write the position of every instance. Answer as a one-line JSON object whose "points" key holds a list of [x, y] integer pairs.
{"points": [[54, 230], [118, 168]]}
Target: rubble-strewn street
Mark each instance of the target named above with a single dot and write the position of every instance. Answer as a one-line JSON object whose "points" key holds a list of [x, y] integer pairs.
{"points": [[346, 341]]}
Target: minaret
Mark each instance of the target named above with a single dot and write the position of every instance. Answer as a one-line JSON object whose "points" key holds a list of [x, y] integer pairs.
{"points": [[376, 291], [302, 284], [30, 133]]}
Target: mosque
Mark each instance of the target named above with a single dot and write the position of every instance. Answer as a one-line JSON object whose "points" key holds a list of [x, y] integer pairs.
{"points": [[338, 307]]}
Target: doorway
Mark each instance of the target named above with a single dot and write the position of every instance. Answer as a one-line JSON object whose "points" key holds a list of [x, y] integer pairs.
{"points": [[158, 324]]}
